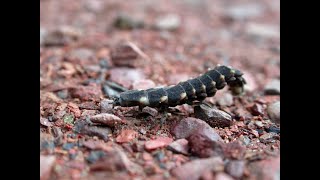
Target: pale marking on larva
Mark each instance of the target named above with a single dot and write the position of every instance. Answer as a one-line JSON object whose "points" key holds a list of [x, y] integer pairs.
{"points": [[222, 77], [144, 100], [213, 83], [232, 71], [193, 89], [163, 98], [183, 95], [203, 87]]}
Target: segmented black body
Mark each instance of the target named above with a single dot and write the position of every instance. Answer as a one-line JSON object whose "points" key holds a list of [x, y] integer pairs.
{"points": [[189, 91]]}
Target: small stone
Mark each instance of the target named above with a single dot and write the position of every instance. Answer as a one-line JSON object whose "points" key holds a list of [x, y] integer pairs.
{"points": [[168, 22], [274, 111], [273, 129], [245, 140], [235, 168], [46, 165], [101, 132], [82, 127], [151, 111], [58, 135], [179, 146], [123, 21], [124, 55], [109, 91], [189, 126], [106, 119], [86, 93], [95, 156], [226, 99], [63, 94], [256, 109], [126, 76], [143, 84], [157, 143], [273, 87], [194, 169], [204, 147], [126, 135], [267, 137], [214, 117], [75, 109], [159, 155], [45, 122], [106, 106], [258, 123], [68, 119]]}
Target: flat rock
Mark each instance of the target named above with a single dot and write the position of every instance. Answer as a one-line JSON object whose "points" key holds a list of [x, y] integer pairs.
{"points": [[179, 146], [204, 147], [83, 127], [189, 126], [213, 116], [106, 119], [157, 143]]}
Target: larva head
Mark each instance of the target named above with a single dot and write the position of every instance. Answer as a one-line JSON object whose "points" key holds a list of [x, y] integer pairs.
{"points": [[237, 85]]}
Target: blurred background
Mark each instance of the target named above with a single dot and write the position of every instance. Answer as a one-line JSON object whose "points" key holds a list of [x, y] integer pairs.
{"points": [[176, 39]]}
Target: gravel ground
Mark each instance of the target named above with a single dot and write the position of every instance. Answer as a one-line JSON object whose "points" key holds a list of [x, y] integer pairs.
{"points": [[92, 50]]}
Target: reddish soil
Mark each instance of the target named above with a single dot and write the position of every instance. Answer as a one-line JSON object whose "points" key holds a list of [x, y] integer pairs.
{"points": [[88, 54]]}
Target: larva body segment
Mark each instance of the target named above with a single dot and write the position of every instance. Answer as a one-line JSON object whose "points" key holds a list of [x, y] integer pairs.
{"points": [[196, 89]]}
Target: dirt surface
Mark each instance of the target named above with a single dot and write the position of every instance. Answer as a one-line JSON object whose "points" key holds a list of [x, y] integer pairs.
{"points": [[92, 50]]}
